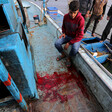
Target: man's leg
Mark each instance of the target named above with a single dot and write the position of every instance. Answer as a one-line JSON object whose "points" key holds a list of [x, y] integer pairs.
{"points": [[74, 49], [73, 52], [58, 45], [107, 30], [89, 22], [111, 39], [95, 24]]}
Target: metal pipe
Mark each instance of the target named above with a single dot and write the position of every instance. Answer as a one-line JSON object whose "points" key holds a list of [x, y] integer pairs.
{"points": [[11, 86], [44, 6]]}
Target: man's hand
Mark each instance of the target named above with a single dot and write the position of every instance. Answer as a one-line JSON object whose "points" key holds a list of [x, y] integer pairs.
{"points": [[66, 46], [101, 41], [108, 17], [101, 18], [63, 35], [87, 15]]}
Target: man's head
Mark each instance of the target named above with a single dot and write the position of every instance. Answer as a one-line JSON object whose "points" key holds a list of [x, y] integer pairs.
{"points": [[73, 8]]}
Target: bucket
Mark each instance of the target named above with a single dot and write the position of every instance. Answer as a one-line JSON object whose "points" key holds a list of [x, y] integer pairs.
{"points": [[36, 19]]}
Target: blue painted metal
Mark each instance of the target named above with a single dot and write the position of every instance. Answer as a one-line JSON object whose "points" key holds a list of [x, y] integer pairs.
{"points": [[102, 58], [3, 1], [52, 10], [98, 47], [20, 65], [44, 6], [11, 15], [92, 38], [4, 76], [15, 50]]}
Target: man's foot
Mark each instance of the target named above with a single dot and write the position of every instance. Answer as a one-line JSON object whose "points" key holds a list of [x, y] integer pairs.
{"points": [[68, 63], [93, 35], [84, 37], [60, 57], [101, 41]]}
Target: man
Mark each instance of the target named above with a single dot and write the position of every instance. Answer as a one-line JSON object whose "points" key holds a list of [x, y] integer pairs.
{"points": [[85, 7], [108, 26], [99, 7], [72, 32]]}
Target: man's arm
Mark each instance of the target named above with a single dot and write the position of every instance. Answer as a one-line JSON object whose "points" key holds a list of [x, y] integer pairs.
{"points": [[110, 12], [79, 32], [90, 3], [104, 8], [92, 6], [63, 26]]}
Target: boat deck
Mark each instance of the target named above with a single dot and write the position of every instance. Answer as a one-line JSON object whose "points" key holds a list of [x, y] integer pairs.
{"points": [[60, 89]]}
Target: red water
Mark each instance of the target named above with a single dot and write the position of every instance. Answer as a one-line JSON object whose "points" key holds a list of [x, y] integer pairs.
{"points": [[52, 85]]}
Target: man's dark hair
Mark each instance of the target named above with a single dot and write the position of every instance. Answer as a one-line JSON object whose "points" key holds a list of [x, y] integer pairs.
{"points": [[74, 5]]}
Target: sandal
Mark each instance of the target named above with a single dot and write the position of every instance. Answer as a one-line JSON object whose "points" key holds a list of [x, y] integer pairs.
{"points": [[60, 58], [93, 35], [68, 64]]}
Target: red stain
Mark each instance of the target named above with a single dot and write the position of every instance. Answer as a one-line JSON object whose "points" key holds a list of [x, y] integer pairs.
{"points": [[52, 85]]}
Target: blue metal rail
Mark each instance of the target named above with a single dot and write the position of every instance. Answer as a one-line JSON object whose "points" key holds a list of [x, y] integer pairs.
{"points": [[11, 86]]}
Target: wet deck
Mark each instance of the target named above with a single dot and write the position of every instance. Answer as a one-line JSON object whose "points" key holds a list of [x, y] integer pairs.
{"points": [[60, 89]]}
